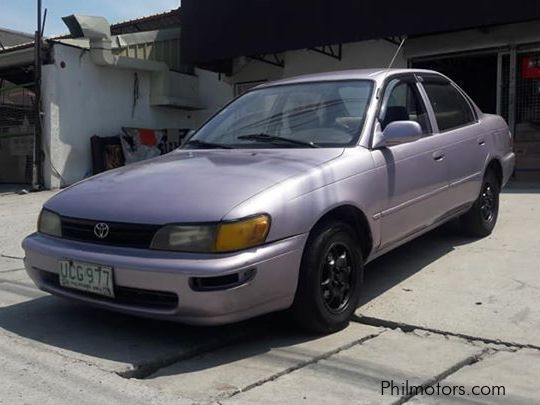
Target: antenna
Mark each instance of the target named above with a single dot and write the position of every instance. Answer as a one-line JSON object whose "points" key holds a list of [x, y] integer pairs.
{"points": [[395, 56], [391, 63]]}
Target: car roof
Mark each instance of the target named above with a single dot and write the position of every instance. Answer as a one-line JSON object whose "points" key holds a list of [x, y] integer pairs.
{"points": [[358, 74]]}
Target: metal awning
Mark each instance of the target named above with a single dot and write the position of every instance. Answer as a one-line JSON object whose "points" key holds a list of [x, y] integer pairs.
{"points": [[213, 32], [17, 66]]}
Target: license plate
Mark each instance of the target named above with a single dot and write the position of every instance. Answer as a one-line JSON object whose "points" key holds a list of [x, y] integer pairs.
{"points": [[89, 277]]}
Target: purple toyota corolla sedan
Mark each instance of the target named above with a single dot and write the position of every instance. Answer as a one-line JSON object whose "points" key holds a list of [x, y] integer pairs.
{"points": [[278, 201]]}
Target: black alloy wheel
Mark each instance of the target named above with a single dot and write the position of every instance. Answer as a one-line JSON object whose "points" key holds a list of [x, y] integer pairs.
{"points": [[337, 278], [480, 220], [330, 279]]}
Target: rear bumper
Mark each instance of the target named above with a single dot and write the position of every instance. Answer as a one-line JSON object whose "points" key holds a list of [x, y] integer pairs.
{"points": [[508, 163], [272, 287]]}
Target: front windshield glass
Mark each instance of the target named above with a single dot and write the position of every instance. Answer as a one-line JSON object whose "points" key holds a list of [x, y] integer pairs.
{"points": [[319, 114]]}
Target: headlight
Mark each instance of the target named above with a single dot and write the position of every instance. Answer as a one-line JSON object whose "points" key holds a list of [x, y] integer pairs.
{"points": [[50, 223], [185, 238], [222, 237]]}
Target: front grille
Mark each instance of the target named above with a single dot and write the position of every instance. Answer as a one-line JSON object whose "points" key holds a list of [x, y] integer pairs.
{"points": [[120, 234], [123, 295]]}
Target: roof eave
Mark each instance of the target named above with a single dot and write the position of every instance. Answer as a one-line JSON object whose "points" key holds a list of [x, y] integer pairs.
{"points": [[17, 57]]}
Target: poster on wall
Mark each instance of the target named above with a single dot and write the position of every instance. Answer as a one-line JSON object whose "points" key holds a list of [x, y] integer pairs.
{"points": [[530, 67]]}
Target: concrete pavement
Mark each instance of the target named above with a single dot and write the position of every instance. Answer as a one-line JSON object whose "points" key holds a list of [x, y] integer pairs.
{"points": [[515, 372], [485, 288], [18, 217], [356, 373], [442, 310]]}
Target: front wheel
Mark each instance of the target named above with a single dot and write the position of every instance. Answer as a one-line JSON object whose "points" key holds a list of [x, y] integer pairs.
{"points": [[330, 279], [482, 217]]}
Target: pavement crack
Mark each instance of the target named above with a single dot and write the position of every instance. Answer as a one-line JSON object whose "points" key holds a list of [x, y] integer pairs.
{"points": [[11, 257], [405, 327], [524, 284], [303, 364], [145, 370], [10, 271], [36, 346], [469, 361]]}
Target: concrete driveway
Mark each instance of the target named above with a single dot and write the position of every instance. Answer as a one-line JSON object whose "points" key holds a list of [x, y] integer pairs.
{"points": [[442, 313]]}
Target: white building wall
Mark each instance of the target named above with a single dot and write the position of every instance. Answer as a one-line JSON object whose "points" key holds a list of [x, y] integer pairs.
{"points": [[81, 100]]}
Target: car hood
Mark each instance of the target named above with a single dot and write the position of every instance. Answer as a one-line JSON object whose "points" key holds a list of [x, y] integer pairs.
{"points": [[185, 185]]}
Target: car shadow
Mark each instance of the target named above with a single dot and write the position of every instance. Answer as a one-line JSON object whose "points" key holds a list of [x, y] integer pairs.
{"points": [[396, 266], [136, 347], [116, 341]]}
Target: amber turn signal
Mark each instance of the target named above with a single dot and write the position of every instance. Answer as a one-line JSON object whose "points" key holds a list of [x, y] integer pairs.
{"points": [[246, 233]]}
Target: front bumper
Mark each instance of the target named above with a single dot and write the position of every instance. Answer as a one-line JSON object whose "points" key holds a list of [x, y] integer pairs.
{"points": [[275, 267]]}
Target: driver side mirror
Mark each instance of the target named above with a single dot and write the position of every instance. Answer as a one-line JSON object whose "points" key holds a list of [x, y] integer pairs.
{"points": [[396, 133]]}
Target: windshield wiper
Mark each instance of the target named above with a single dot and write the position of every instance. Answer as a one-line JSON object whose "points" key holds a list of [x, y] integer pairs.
{"points": [[197, 142], [275, 138]]}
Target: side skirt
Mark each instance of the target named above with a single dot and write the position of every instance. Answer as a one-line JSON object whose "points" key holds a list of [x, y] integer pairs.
{"points": [[442, 220]]}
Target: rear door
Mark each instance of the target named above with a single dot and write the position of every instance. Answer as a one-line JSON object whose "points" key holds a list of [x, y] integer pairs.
{"points": [[459, 128], [416, 173]]}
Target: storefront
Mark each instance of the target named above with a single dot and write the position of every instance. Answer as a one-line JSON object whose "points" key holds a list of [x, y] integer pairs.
{"points": [[500, 70], [526, 102], [17, 117], [490, 49], [17, 108], [17, 127]]}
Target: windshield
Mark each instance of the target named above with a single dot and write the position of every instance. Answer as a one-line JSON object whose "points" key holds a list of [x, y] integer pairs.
{"points": [[320, 114]]}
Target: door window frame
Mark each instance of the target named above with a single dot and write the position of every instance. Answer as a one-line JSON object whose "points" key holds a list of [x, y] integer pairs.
{"points": [[434, 78], [412, 79]]}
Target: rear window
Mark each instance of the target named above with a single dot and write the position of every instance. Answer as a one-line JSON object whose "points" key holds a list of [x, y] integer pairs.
{"points": [[450, 107]]}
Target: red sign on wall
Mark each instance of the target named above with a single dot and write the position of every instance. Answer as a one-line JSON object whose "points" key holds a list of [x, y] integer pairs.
{"points": [[530, 68]]}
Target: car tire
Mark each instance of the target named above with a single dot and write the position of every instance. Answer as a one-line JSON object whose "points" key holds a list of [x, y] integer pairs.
{"points": [[480, 220], [331, 275]]}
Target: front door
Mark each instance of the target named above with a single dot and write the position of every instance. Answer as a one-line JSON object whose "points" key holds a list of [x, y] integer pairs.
{"points": [[415, 173]]}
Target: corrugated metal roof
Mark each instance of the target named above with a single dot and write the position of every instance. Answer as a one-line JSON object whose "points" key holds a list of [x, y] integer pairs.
{"points": [[152, 22], [10, 37], [17, 47], [166, 19]]}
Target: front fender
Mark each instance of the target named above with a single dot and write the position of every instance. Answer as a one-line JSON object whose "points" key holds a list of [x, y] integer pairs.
{"points": [[297, 204]]}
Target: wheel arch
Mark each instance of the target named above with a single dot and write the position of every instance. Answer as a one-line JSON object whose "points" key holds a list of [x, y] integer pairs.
{"points": [[496, 166], [354, 216]]}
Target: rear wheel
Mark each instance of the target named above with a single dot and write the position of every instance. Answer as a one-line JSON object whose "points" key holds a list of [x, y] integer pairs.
{"points": [[330, 279], [482, 217]]}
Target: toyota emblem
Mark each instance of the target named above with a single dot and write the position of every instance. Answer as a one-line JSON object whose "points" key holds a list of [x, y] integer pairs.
{"points": [[101, 230]]}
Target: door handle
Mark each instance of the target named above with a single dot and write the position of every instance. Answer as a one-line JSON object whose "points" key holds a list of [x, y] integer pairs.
{"points": [[438, 156], [481, 141]]}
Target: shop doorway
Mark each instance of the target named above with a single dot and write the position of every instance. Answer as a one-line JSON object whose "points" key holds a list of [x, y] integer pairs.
{"points": [[527, 115], [505, 83], [17, 127]]}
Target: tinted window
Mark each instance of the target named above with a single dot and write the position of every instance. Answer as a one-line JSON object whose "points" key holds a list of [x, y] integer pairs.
{"points": [[403, 103], [451, 108]]}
